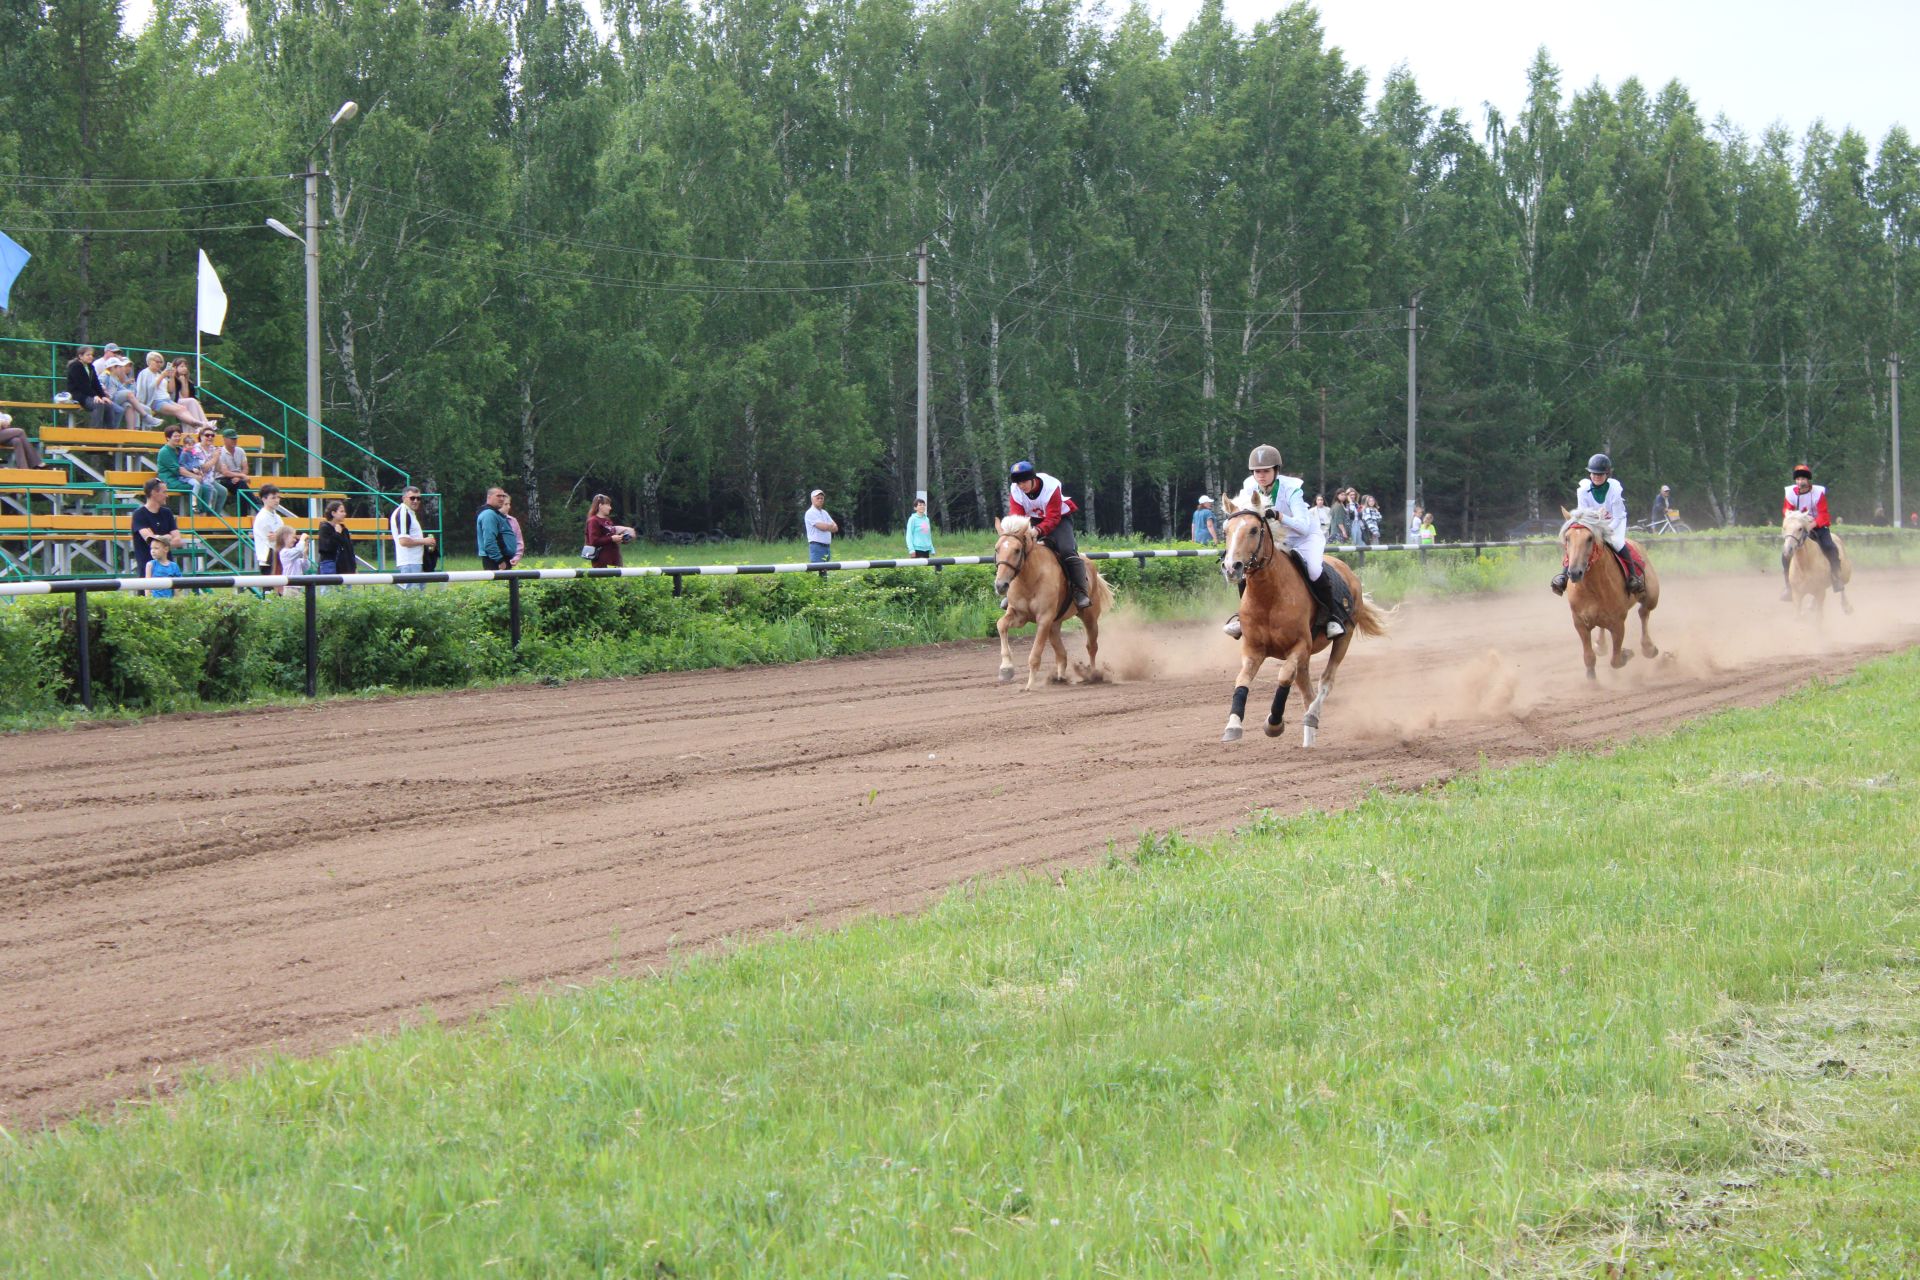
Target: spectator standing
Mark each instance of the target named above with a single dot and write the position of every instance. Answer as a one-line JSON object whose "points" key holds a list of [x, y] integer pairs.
{"points": [[1206, 525], [920, 532], [820, 528], [492, 532], [152, 519], [83, 384], [26, 453], [1338, 518], [1428, 534], [230, 465], [333, 542], [290, 550], [267, 524], [519, 538], [162, 566], [1322, 514], [604, 537], [410, 537]]}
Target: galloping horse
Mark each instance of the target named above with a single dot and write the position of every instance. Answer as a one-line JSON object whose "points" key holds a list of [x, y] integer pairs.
{"points": [[1028, 576], [1276, 618], [1597, 588], [1807, 575]]}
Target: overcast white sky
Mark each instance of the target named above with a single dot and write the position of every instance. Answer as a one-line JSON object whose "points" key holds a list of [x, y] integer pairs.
{"points": [[1851, 62]]}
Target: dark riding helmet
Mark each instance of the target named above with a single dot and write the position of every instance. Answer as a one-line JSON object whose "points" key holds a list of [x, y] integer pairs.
{"points": [[1022, 470], [1802, 469], [1602, 463]]}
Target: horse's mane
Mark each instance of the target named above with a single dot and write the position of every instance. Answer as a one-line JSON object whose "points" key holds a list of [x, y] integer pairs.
{"points": [[1592, 519], [1795, 521], [1255, 501], [1015, 524]]}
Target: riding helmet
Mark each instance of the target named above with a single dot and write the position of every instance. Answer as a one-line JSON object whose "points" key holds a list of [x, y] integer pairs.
{"points": [[1600, 462], [1803, 470], [1022, 470], [1264, 455]]}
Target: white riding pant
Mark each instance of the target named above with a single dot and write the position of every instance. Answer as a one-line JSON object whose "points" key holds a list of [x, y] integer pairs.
{"points": [[1311, 546]]}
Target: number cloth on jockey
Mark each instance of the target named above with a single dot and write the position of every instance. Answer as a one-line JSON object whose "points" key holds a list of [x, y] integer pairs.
{"points": [[1609, 498], [1813, 502], [1048, 506], [1304, 533]]}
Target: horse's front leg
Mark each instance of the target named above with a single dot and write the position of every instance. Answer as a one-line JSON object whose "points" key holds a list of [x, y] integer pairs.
{"points": [[1041, 634], [1005, 626], [1335, 653], [1585, 632], [1290, 670], [1618, 630], [1249, 668], [1059, 675]]}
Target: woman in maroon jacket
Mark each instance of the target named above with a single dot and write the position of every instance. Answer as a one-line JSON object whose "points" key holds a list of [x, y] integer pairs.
{"points": [[603, 535]]}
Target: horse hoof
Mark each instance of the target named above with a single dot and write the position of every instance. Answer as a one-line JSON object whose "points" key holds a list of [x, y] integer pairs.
{"points": [[1232, 734], [1591, 675], [1006, 675], [1275, 730], [1307, 735], [1058, 680], [1650, 651]]}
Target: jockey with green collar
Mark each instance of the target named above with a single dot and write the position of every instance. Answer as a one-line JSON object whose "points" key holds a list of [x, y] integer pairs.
{"points": [[1601, 492], [1285, 498]]}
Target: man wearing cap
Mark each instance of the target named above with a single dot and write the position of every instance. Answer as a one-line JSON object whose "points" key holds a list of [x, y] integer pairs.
{"points": [[1808, 498], [1044, 502], [230, 463], [1206, 526], [820, 528]]}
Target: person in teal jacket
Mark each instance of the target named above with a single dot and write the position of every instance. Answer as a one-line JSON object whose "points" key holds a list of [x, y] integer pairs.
{"points": [[494, 533], [919, 532]]}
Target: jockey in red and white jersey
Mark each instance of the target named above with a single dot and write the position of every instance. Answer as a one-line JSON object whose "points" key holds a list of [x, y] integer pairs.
{"points": [[1041, 499], [1808, 498], [1601, 492]]}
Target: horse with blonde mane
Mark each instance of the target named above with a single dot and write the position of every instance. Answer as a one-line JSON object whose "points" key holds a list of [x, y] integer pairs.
{"points": [[1028, 576], [1808, 577], [1276, 617], [1597, 587]]}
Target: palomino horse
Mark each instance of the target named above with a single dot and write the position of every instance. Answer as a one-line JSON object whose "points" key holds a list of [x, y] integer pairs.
{"points": [[1276, 618], [1597, 588], [1807, 574], [1028, 576]]}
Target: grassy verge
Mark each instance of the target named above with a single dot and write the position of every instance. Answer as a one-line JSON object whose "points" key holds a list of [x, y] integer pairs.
{"points": [[1507, 1024]]}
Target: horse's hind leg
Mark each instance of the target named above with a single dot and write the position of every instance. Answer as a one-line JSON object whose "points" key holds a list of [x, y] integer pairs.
{"points": [[1092, 624], [1585, 632], [1335, 654], [1059, 675], [1293, 669], [1648, 649], [1249, 668], [1621, 653]]}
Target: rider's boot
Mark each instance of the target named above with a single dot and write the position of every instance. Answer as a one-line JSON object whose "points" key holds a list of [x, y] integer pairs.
{"points": [[1076, 567], [1322, 589], [1559, 582]]}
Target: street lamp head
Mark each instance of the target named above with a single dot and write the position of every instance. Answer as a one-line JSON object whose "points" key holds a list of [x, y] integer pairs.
{"points": [[283, 228], [347, 111]]}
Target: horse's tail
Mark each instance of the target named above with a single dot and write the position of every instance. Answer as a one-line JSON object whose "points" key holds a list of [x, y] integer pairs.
{"points": [[1367, 620], [1102, 589]]}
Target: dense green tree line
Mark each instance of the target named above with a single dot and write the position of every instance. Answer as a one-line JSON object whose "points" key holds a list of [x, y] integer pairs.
{"points": [[670, 256]]}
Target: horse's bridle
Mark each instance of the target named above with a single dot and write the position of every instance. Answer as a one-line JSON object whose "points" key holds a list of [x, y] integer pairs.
{"points": [[1257, 562], [1799, 539], [1026, 549]]}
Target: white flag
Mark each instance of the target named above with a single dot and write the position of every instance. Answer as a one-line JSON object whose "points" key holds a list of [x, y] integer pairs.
{"points": [[213, 299]]}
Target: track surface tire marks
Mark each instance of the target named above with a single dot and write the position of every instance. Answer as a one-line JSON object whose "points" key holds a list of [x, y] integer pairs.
{"points": [[206, 889]]}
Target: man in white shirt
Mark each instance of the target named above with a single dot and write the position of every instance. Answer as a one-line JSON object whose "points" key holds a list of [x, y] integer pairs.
{"points": [[410, 537], [820, 529], [267, 522]]}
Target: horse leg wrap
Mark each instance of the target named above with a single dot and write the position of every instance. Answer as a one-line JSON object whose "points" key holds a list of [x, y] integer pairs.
{"points": [[1279, 713], [1240, 702]]}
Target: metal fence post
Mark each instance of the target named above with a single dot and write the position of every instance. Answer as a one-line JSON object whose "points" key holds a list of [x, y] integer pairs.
{"points": [[313, 643], [513, 611], [86, 649]]}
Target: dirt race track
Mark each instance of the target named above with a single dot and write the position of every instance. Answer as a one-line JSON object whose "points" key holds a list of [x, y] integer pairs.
{"points": [[205, 889]]}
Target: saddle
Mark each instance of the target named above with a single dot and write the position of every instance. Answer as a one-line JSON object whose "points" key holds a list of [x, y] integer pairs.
{"points": [[1336, 588]]}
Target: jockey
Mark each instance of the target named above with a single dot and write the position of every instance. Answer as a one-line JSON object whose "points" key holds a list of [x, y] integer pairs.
{"points": [[1039, 497], [1288, 505], [1805, 496], [1601, 492]]}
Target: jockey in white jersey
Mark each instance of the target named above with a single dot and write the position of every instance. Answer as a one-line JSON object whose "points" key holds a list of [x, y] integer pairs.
{"points": [[1601, 492], [1805, 496], [1284, 496], [1041, 499]]}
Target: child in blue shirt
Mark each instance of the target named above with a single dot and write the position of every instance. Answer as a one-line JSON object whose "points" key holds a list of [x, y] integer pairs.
{"points": [[162, 566]]}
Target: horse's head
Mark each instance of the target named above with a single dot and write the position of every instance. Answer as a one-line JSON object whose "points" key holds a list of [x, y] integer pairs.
{"points": [[1247, 539], [1579, 539], [1795, 526], [1011, 551]]}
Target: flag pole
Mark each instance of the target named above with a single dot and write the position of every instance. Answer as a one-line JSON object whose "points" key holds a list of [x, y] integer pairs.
{"points": [[196, 318]]}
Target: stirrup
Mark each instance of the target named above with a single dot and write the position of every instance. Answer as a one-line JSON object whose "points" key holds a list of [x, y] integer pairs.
{"points": [[1636, 585], [1082, 600], [1233, 627]]}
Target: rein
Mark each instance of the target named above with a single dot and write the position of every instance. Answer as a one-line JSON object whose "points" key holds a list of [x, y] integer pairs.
{"points": [[1257, 562], [1798, 540]]}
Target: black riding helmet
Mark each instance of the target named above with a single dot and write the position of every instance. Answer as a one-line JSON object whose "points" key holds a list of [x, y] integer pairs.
{"points": [[1601, 463]]}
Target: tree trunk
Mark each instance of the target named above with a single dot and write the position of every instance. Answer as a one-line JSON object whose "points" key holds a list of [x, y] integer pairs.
{"points": [[529, 466], [1126, 427], [1209, 393]]}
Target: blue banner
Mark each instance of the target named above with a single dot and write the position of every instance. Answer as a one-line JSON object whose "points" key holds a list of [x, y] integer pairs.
{"points": [[12, 259]]}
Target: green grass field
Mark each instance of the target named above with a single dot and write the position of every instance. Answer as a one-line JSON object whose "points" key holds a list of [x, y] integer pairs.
{"points": [[1650, 1013]]}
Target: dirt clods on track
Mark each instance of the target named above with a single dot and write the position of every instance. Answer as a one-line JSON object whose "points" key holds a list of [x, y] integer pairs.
{"points": [[206, 889]]}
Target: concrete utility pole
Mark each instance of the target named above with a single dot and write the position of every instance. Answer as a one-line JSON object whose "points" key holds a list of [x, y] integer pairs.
{"points": [[1893, 377], [920, 413], [1321, 487], [1413, 380]]}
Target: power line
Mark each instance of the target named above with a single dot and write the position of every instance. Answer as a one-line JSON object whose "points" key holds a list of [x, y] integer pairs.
{"points": [[136, 231], [176, 208], [1796, 362], [1131, 300], [69, 180]]}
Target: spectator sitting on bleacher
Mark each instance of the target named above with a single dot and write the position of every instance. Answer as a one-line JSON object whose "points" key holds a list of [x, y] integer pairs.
{"points": [[162, 566], [152, 520], [83, 384], [120, 388], [26, 453], [180, 385], [200, 467], [167, 460], [231, 464], [155, 392], [267, 524]]}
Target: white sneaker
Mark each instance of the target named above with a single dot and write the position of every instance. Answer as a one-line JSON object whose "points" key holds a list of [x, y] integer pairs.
{"points": [[1335, 629], [1233, 627]]}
